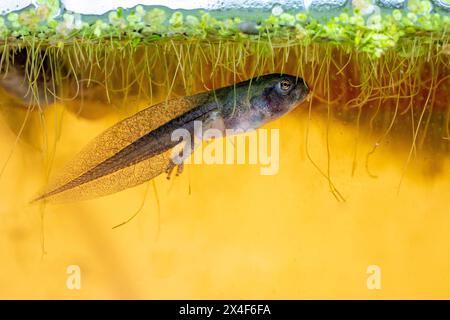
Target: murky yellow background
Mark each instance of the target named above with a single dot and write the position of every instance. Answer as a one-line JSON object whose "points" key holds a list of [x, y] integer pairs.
{"points": [[225, 231]]}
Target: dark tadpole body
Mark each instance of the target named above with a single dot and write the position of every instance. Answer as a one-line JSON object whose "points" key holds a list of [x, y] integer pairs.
{"points": [[136, 149]]}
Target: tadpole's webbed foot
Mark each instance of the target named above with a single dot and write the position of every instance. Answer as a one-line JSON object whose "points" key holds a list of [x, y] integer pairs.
{"points": [[171, 167], [180, 169], [179, 163]]}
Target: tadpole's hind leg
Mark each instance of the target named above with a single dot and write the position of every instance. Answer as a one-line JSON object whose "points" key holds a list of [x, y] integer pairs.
{"points": [[180, 169], [212, 120], [180, 166], [172, 166], [169, 169]]}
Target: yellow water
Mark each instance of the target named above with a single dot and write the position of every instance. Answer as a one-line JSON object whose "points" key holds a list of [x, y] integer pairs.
{"points": [[225, 231]]}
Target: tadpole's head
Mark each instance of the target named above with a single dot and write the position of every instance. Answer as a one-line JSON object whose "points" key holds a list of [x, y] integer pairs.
{"points": [[280, 94]]}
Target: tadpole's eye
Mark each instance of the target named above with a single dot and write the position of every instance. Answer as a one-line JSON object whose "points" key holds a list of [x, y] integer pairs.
{"points": [[285, 85]]}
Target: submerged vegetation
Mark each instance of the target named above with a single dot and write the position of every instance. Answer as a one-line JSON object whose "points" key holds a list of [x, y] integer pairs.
{"points": [[387, 69]]}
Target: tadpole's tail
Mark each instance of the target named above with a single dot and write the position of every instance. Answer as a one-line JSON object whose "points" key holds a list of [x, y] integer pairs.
{"points": [[123, 165]]}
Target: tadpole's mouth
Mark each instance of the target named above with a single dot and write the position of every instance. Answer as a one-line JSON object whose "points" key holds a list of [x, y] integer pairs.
{"points": [[308, 96], [308, 92], [302, 93]]}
